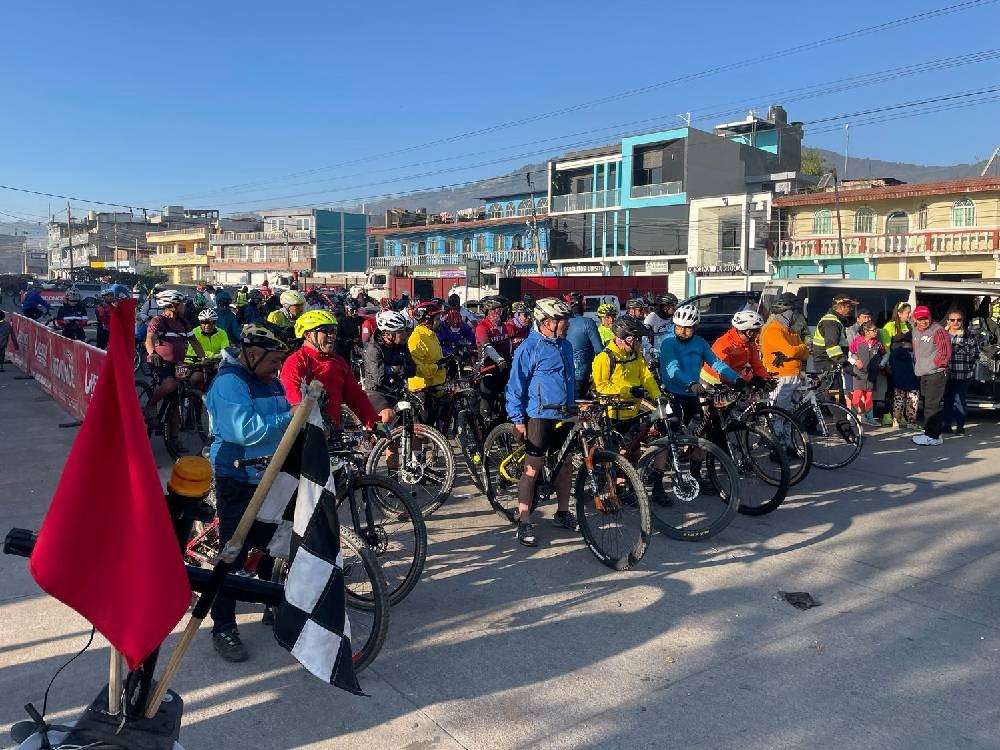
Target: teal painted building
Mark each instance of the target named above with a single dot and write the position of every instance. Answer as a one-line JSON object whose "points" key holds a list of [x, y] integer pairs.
{"points": [[341, 242]]}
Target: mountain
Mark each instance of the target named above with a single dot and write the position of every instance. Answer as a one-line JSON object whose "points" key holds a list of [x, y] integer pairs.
{"points": [[37, 232], [858, 168]]}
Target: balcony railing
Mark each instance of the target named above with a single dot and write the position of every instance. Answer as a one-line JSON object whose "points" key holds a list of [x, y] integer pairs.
{"points": [[274, 256], [198, 257], [230, 238], [190, 233], [599, 199], [927, 242], [657, 189], [488, 257]]}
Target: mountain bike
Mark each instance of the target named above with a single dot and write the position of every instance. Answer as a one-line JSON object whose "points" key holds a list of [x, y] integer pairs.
{"points": [[782, 424], [835, 432], [181, 417], [611, 503]]}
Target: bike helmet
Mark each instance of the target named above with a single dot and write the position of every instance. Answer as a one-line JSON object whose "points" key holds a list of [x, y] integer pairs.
{"points": [[686, 316], [627, 327], [169, 298], [519, 307], [493, 303], [208, 315], [784, 302], [223, 298], [606, 309], [390, 321], [291, 297], [454, 300], [263, 337], [255, 296], [636, 303], [747, 320], [313, 319], [425, 311], [528, 300], [666, 300], [73, 296], [105, 291], [551, 308]]}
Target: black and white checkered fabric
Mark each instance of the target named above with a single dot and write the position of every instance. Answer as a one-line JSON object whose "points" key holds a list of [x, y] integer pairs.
{"points": [[311, 622]]}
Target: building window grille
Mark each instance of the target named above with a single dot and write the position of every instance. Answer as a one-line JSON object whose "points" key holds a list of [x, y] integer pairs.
{"points": [[518, 242], [496, 211], [963, 213], [524, 208], [864, 221], [421, 248], [542, 205], [897, 223], [466, 244], [449, 247], [480, 243], [509, 210], [498, 242], [822, 222], [922, 217]]}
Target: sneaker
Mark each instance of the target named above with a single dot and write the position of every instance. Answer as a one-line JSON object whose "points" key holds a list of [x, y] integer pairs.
{"points": [[229, 645], [924, 439], [959, 430], [888, 421], [526, 534], [565, 519], [268, 617]]}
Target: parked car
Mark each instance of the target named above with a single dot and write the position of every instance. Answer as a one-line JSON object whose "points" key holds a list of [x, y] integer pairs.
{"points": [[717, 310], [89, 291]]}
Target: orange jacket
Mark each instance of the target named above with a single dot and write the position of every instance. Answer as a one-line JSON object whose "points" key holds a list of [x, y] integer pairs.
{"points": [[740, 354], [774, 338]]}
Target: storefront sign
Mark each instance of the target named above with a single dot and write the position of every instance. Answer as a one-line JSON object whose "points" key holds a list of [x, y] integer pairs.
{"points": [[722, 269], [657, 266], [583, 268]]}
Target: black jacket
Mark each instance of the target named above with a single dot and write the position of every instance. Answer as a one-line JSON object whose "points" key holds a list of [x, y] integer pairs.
{"points": [[386, 369]]}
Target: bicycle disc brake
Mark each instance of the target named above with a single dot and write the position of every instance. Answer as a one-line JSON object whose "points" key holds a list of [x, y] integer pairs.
{"points": [[686, 487], [377, 538]]}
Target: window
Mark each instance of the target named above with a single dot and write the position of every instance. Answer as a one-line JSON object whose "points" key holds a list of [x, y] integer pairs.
{"points": [[922, 217], [518, 242], [898, 222], [277, 225], [542, 206], [613, 176], [498, 242], [406, 248], [524, 208], [864, 221], [509, 210], [303, 223], [496, 212], [449, 247], [480, 243], [467, 245], [421, 248], [822, 222], [963, 213]]}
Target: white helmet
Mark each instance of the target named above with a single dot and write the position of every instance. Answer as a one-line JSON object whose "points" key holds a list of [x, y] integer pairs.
{"points": [[169, 298], [292, 297], [391, 321], [208, 315], [747, 320], [551, 307], [73, 295], [686, 316]]}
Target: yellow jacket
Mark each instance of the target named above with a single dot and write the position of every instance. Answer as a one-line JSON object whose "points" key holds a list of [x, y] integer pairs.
{"points": [[775, 337], [629, 370], [280, 318], [425, 348]]}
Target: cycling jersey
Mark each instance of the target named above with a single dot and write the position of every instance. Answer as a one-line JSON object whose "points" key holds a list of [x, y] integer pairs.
{"points": [[487, 333], [605, 333], [332, 370], [71, 319], [34, 303], [741, 355], [661, 328], [681, 363], [386, 368], [172, 336], [212, 345], [452, 340], [616, 372], [426, 352], [516, 332], [542, 373]]}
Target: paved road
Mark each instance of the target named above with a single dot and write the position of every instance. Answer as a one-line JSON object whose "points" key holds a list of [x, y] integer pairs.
{"points": [[502, 647]]}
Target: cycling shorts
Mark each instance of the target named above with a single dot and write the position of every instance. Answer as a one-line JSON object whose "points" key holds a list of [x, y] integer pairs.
{"points": [[542, 436], [166, 370]]}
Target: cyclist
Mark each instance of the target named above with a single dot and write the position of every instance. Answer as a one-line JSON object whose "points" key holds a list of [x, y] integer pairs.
{"points": [[387, 364], [72, 316], [782, 350], [636, 308], [103, 313], [250, 312], [242, 297], [519, 325], [660, 320], [213, 341], [737, 347], [292, 305], [226, 317], [543, 375], [200, 298], [621, 371], [455, 303], [249, 414], [586, 342], [455, 333], [167, 338], [348, 330], [34, 305], [491, 333], [425, 349], [606, 313]]}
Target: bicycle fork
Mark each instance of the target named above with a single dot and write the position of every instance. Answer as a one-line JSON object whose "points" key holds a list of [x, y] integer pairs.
{"points": [[609, 503]]}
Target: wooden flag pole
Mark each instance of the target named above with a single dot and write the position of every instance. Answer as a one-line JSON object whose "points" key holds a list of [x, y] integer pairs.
{"points": [[232, 549], [115, 683]]}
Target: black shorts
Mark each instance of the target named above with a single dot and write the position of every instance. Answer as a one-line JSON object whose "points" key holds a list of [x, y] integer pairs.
{"points": [[166, 370], [542, 435]]}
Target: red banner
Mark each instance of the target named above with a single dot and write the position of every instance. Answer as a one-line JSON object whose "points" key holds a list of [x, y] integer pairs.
{"points": [[66, 369]]}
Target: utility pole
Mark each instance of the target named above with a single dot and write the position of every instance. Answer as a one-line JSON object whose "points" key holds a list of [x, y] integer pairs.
{"points": [[840, 233], [288, 257], [534, 227], [69, 226], [847, 147]]}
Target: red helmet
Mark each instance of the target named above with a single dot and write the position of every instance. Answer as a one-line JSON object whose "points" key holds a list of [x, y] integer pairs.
{"points": [[453, 318], [426, 310]]}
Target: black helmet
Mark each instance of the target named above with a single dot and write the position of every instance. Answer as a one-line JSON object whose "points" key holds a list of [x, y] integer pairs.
{"points": [[626, 326], [528, 300], [784, 302], [496, 302], [454, 300], [666, 300], [575, 298], [636, 303]]}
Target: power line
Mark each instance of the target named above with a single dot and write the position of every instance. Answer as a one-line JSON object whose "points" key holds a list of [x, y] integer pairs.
{"points": [[769, 57], [70, 198]]}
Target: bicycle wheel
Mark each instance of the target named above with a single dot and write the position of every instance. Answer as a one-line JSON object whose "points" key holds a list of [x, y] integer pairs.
{"points": [[835, 432], [188, 440], [428, 472], [763, 468], [471, 436], [366, 599], [794, 442], [613, 510], [397, 536], [695, 497], [503, 459]]}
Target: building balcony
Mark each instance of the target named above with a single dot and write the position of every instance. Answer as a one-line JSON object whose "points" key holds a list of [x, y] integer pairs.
{"points": [[597, 200], [196, 258], [191, 234], [248, 238], [924, 243], [277, 258], [638, 192], [487, 257]]}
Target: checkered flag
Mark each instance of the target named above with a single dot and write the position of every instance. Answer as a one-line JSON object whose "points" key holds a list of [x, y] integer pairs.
{"points": [[311, 622]]}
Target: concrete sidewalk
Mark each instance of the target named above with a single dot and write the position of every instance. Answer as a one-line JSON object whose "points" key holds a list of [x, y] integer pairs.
{"points": [[504, 647]]}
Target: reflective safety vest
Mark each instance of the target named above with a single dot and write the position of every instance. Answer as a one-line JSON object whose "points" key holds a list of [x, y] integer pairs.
{"points": [[819, 342]]}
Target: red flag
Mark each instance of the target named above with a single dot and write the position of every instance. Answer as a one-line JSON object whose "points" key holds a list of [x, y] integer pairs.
{"points": [[107, 547]]}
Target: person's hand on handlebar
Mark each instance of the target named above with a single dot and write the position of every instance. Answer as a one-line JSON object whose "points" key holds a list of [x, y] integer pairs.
{"points": [[741, 385], [520, 430], [760, 383], [697, 388], [638, 391]]}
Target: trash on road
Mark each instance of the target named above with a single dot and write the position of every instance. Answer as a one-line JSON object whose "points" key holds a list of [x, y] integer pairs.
{"points": [[799, 599]]}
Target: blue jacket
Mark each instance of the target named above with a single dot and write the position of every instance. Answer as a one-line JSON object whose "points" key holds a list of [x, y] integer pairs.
{"points": [[681, 362], [542, 372], [583, 336], [33, 300], [229, 324], [248, 418], [451, 340]]}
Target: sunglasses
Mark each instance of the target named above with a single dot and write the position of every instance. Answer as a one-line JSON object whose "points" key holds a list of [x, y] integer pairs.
{"points": [[955, 320]]}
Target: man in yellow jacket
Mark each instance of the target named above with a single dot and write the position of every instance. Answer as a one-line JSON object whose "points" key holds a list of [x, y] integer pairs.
{"points": [[782, 349], [425, 348], [620, 370]]}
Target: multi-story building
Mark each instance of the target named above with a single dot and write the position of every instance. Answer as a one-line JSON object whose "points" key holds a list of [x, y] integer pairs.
{"points": [[13, 253], [937, 230], [284, 244], [100, 239]]}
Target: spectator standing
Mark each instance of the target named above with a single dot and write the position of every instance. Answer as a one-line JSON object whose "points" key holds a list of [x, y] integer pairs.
{"points": [[961, 369], [931, 357], [866, 354], [6, 333], [895, 334], [103, 313]]}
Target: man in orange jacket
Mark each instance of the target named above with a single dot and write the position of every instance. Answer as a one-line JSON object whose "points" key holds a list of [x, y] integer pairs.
{"points": [[783, 351], [737, 347]]}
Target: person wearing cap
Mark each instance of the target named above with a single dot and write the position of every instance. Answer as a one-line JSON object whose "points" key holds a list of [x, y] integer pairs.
{"points": [[931, 356], [606, 314], [103, 313], [829, 340]]}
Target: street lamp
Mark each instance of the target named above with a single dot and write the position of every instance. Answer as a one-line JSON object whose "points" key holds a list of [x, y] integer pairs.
{"points": [[823, 184]]}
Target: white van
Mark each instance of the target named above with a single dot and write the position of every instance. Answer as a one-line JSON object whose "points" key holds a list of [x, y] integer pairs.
{"points": [[975, 300]]}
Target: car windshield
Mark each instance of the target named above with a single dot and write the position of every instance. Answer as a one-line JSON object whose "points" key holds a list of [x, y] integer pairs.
{"points": [[879, 302]]}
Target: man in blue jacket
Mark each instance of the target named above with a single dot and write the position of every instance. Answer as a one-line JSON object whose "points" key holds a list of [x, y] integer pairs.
{"points": [[34, 304], [585, 339], [542, 380], [249, 414]]}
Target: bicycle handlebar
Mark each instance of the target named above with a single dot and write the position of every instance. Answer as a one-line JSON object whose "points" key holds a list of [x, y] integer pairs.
{"points": [[259, 461]]}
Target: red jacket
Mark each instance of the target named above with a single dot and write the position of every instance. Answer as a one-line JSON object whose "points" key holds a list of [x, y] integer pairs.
{"points": [[740, 354], [487, 333], [332, 370]]}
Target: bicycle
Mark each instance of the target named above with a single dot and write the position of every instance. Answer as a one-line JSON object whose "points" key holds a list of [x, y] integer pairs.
{"points": [[185, 405], [611, 503], [423, 460], [835, 432], [782, 424]]}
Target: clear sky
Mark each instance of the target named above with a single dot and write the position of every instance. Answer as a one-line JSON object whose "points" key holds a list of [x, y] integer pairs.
{"points": [[150, 103]]}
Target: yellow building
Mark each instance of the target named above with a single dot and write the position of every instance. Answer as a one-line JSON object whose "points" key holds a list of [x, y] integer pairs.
{"points": [[181, 253], [939, 230]]}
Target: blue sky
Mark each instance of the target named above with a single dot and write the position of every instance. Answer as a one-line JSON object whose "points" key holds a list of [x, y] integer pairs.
{"points": [[151, 103]]}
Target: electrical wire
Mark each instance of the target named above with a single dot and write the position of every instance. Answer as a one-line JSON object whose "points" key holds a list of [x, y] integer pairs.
{"points": [[45, 698], [70, 198]]}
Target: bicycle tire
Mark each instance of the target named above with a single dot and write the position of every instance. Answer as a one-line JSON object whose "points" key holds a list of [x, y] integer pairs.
{"points": [[471, 438], [400, 539], [682, 519], [431, 485], [596, 508], [757, 452], [832, 434], [798, 446], [500, 443]]}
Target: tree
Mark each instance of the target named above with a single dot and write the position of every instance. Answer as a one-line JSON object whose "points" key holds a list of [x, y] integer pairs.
{"points": [[812, 162]]}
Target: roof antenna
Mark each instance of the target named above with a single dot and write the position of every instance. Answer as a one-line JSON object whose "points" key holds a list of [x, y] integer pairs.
{"points": [[686, 116]]}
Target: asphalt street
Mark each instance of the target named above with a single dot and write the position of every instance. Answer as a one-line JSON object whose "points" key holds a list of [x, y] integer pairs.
{"points": [[504, 647]]}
